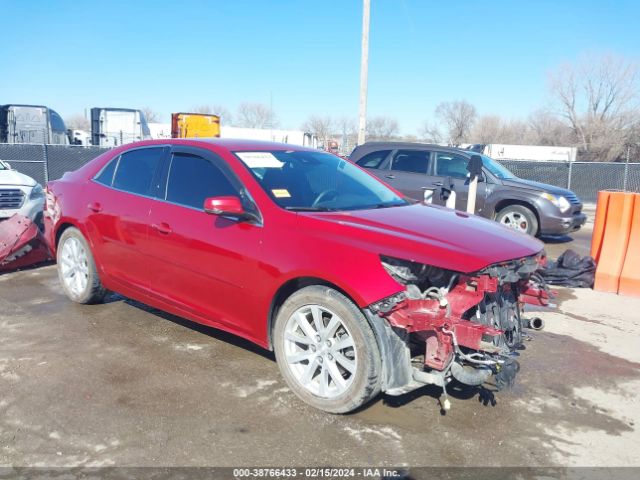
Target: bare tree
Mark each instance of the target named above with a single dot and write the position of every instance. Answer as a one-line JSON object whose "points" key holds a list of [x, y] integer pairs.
{"points": [[321, 126], [458, 118], [347, 129], [215, 109], [598, 99], [255, 115], [487, 129], [431, 133], [151, 115], [382, 128], [78, 121]]}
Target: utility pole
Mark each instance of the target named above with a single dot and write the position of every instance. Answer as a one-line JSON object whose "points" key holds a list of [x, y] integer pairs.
{"points": [[364, 72]]}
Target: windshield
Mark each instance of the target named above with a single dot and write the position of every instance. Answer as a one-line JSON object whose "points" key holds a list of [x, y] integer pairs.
{"points": [[317, 181], [3, 166], [496, 169]]}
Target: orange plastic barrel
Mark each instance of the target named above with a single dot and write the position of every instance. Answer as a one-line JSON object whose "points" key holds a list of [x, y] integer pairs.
{"points": [[630, 275], [615, 241]]}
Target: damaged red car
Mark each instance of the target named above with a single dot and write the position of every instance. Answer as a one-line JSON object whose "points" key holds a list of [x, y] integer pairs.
{"points": [[357, 289]]}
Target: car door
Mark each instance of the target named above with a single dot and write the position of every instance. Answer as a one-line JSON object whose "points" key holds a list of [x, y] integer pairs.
{"points": [[118, 202], [451, 169], [200, 261], [408, 172]]}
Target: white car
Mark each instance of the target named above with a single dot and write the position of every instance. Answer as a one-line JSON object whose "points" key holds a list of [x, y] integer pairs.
{"points": [[19, 194]]}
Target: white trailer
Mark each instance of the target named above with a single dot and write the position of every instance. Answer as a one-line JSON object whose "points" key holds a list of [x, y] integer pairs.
{"points": [[530, 152], [111, 127], [160, 130], [293, 137]]}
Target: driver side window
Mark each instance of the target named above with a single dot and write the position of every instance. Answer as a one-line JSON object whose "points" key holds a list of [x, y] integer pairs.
{"points": [[192, 179], [451, 165]]}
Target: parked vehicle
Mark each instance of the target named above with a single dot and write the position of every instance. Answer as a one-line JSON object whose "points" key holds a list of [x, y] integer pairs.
{"points": [[195, 125], [301, 252], [417, 170], [19, 194], [112, 127], [79, 137], [31, 124]]}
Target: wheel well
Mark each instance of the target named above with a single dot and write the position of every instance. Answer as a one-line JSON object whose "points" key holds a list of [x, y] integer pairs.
{"points": [[60, 231], [508, 202], [288, 289]]}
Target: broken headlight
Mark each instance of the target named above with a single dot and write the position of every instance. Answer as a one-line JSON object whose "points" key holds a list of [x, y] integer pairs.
{"points": [[387, 304]]}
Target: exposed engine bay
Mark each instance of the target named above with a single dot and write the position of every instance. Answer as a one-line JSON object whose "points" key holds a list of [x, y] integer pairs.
{"points": [[456, 325]]}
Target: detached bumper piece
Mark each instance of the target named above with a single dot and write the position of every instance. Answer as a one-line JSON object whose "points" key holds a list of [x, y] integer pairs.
{"points": [[449, 325], [21, 244]]}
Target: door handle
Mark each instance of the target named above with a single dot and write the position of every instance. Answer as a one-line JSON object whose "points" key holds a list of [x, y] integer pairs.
{"points": [[437, 184], [390, 176], [95, 207], [162, 228]]}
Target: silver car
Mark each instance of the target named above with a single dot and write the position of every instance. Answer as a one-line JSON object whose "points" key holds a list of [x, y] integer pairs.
{"points": [[19, 194]]}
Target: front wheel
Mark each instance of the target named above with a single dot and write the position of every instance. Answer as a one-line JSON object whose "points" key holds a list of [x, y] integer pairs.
{"points": [[326, 350], [519, 218]]}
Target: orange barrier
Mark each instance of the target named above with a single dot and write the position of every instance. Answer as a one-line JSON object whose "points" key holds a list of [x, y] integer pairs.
{"points": [[630, 276], [616, 243], [599, 223]]}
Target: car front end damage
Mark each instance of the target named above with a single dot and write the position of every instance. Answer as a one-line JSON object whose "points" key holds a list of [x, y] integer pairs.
{"points": [[449, 325]]}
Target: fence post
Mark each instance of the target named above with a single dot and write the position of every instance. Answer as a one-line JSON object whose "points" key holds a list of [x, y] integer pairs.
{"points": [[45, 157], [570, 173], [626, 170]]}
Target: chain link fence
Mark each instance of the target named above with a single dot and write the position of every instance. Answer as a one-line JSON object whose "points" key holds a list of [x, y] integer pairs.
{"points": [[50, 162], [47, 162], [585, 179]]}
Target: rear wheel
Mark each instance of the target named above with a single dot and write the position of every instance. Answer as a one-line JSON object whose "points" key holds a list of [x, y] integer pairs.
{"points": [[77, 269], [519, 218], [326, 350]]}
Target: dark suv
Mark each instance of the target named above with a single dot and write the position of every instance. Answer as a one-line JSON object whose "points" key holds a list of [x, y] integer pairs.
{"points": [[422, 171]]}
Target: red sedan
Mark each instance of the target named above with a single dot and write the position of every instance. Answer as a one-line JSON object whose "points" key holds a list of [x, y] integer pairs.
{"points": [[357, 289]]}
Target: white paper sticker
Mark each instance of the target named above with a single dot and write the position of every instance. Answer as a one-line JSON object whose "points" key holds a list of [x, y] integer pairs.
{"points": [[259, 160]]}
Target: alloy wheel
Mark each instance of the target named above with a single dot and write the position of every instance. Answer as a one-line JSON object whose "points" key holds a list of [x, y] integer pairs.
{"points": [[74, 266], [320, 351]]}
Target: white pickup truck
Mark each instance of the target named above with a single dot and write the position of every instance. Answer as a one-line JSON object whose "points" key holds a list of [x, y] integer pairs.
{"points": [[19, 194]]}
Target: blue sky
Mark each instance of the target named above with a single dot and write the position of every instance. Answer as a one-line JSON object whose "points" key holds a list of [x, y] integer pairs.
{"points": [[172, 56]]}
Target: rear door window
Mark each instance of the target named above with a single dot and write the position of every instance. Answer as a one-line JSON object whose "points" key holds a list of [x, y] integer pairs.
{"points": [[137, 169], [192, 179], [412, 161], [105, 176], [451, 165], [373, 159]]}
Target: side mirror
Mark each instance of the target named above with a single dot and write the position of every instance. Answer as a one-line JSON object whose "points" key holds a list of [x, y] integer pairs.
{"points": [[475, 166], [229, 206]]}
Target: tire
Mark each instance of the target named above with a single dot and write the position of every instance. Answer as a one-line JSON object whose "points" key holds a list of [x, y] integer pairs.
{"points": [[349, 375], [519, 218], [77, 269]]}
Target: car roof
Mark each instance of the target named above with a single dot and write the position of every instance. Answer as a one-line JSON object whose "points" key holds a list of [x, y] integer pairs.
{"points": [[232, 144], [369, 147]]}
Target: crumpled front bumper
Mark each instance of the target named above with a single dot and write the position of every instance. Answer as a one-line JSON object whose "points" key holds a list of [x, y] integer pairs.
{"points": [[21, 244]]}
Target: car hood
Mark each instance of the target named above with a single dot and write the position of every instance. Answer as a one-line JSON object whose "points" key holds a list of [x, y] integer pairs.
{"points": [[427, 234], [11, 177], [531, 185]]}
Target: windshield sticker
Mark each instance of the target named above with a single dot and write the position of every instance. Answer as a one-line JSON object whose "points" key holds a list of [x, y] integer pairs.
{"points": [[260, 160], [281, 193]]}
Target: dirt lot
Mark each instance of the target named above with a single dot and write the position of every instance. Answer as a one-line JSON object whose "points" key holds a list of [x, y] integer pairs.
{"points": [[118, 384]]}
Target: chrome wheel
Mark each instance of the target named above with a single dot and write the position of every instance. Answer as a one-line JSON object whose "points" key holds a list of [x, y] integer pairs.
{"points": [[74, 266], [516, 221], [320, 351]]}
